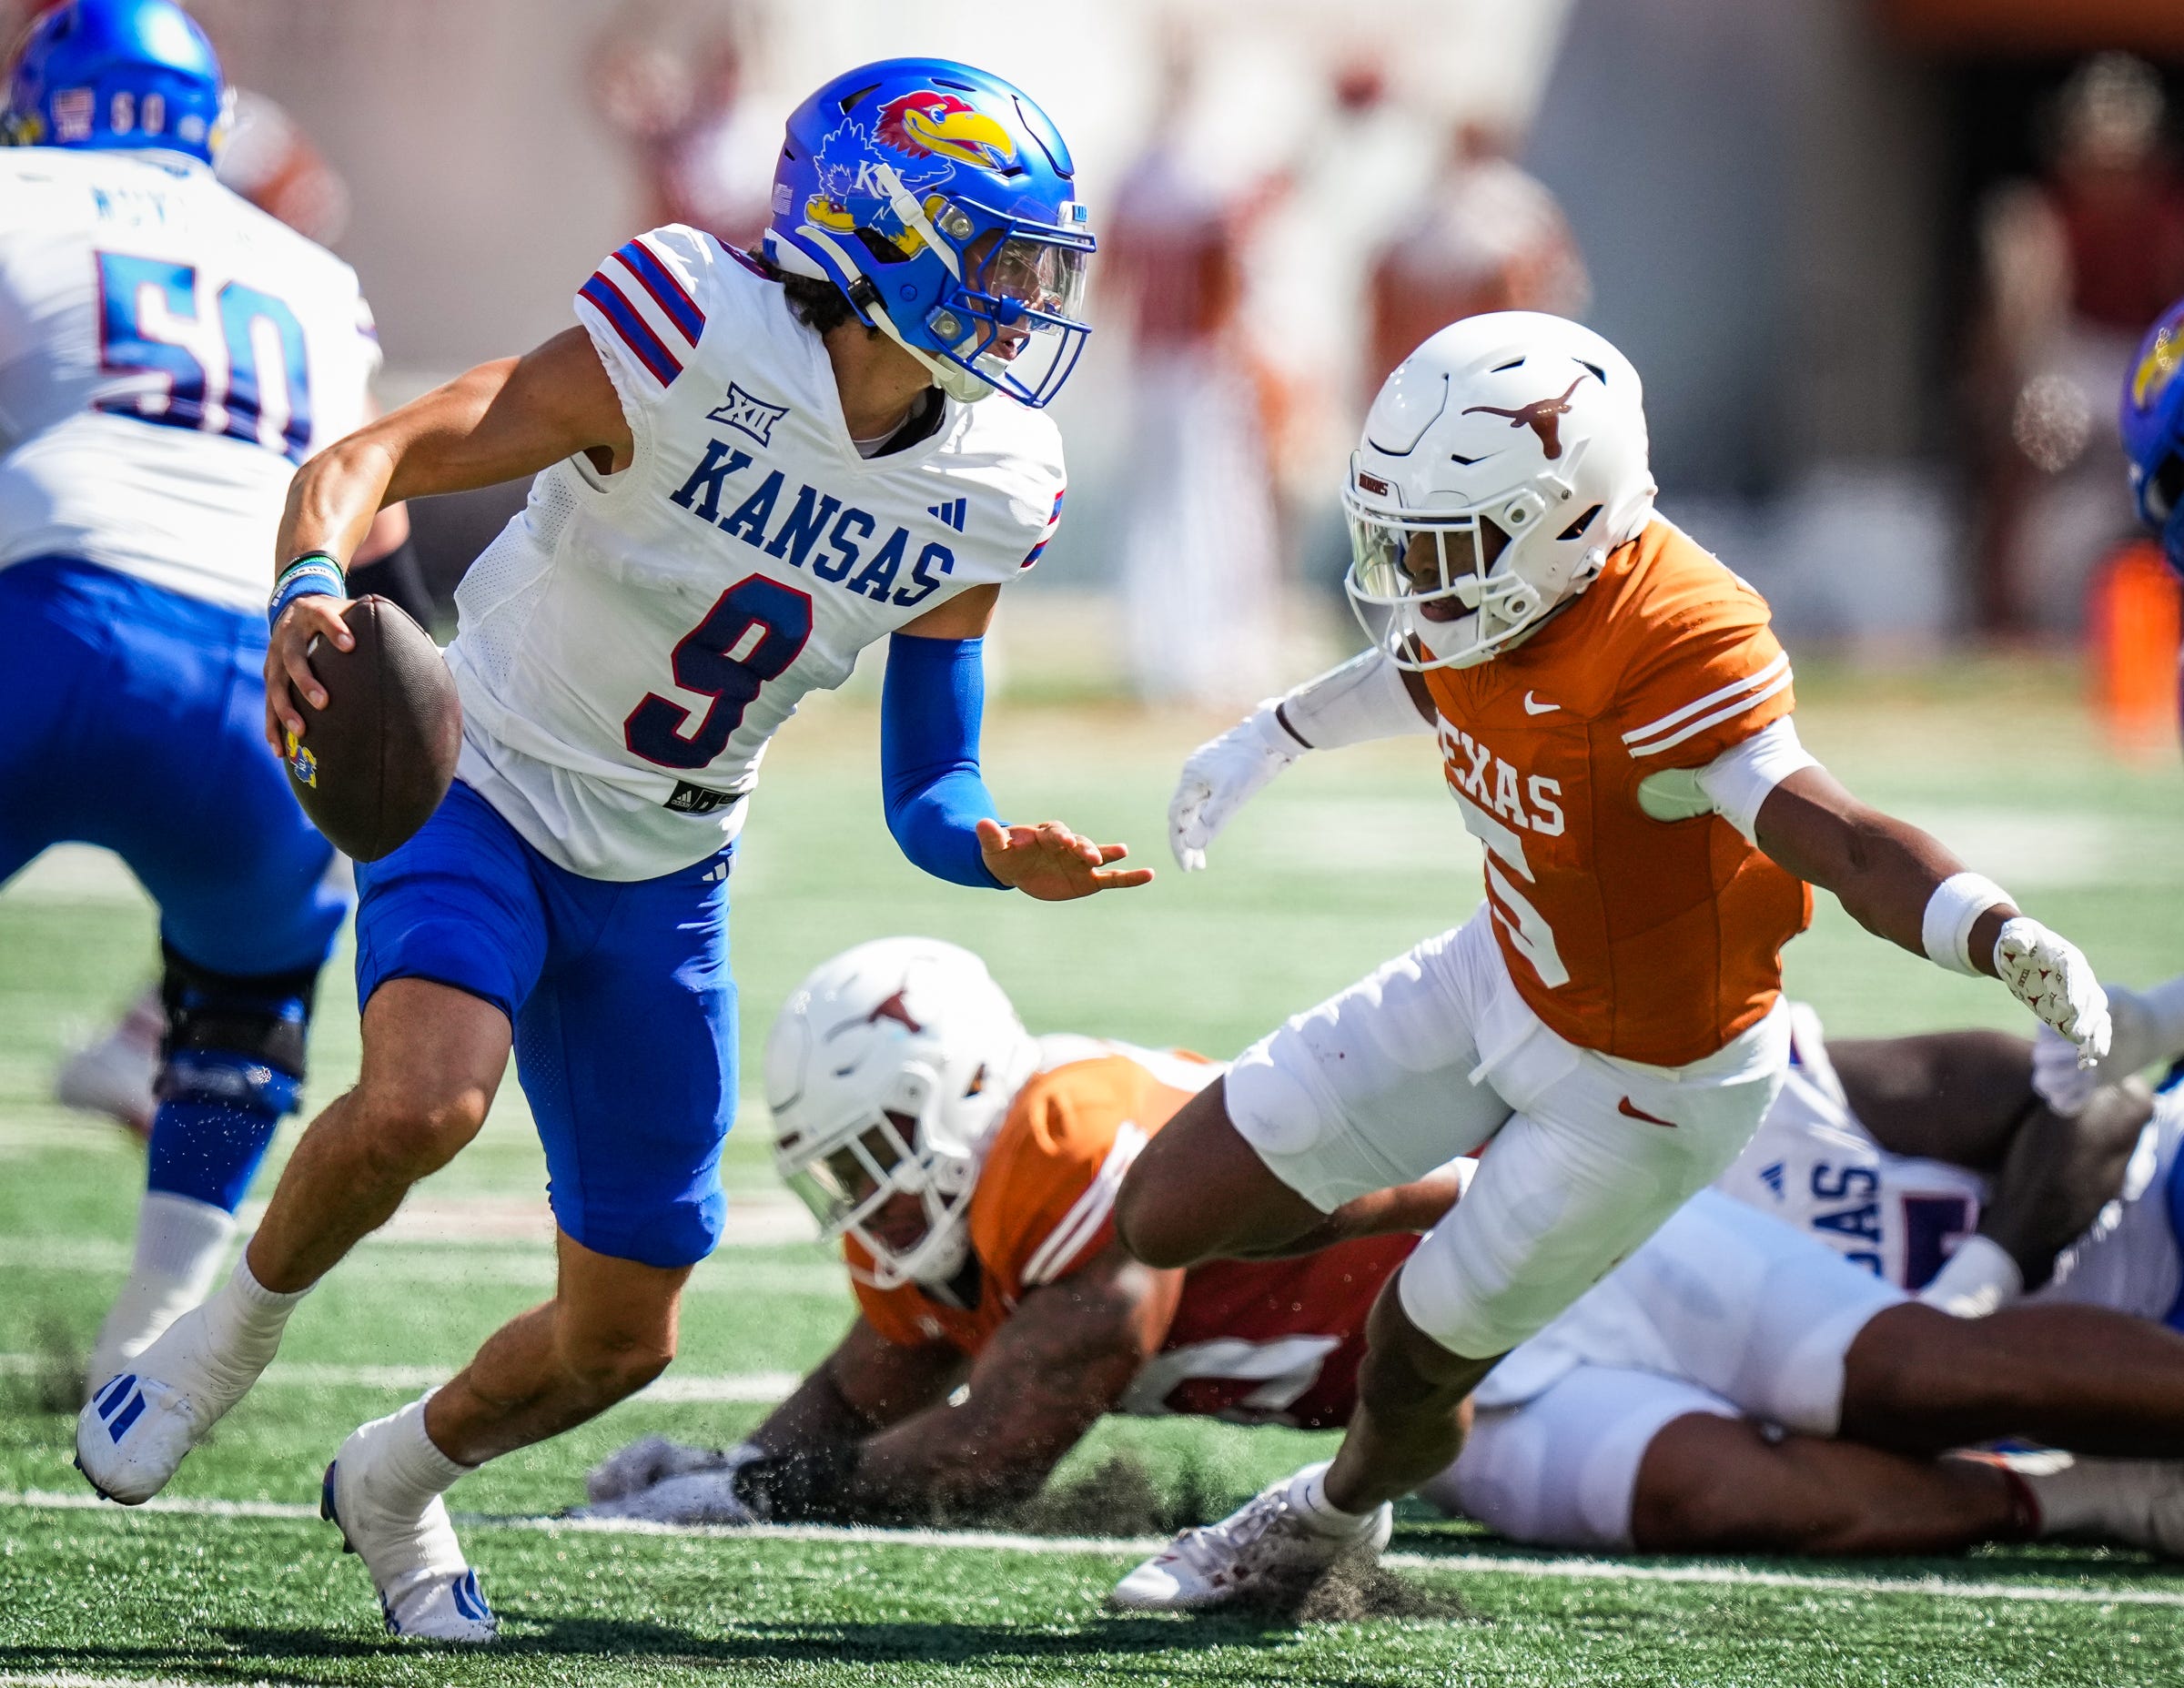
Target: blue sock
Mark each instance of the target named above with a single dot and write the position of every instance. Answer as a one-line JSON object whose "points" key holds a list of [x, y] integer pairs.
{"points": [[212, 1130]]}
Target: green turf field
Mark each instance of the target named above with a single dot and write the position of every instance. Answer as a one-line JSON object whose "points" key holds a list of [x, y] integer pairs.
{"points": [[1337, 867]]}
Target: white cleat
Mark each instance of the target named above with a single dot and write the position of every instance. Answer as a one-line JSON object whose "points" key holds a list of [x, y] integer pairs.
{"points": [[426, 1590], [139, 1425], [1267, 1553], [115, 1075]]}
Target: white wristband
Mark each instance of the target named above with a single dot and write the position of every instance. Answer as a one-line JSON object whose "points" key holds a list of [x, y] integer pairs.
{"points": [[1952, 911]]}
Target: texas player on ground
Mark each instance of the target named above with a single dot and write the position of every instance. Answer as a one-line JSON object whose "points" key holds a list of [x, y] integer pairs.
{"points": [[1614, 715], [1758, 1376], [167, 355], [748, 470], [970, 1170]]}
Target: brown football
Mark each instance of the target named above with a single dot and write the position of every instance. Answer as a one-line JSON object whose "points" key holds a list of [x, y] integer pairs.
{"points": [[374, 763]]}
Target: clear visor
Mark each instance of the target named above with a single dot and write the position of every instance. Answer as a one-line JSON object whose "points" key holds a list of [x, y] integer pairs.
{"points": [[1016, 321], [846, 1186], [1417, 563]]}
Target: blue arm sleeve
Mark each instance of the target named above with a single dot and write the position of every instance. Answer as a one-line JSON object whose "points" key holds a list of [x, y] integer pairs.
{"points": [[929, 779]]}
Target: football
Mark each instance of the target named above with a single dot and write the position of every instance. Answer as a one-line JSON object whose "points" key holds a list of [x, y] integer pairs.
{"points": [[373, 765]]}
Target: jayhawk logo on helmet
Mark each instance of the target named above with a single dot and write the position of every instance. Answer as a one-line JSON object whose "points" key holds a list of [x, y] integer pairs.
{"points": [[2157, 364], [929, 122]]}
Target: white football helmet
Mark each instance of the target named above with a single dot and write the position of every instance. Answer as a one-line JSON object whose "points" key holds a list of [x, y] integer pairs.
{"points": [[1529, 423], [887, 1071]]}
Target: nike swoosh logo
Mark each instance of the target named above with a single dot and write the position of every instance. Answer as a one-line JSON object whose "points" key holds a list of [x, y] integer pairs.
{"points": [[1628, 1112], [1531, 708]]}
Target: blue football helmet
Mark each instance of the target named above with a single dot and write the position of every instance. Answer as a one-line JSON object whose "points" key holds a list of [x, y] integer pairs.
{"points": [[116, 74], [2153, 431], [942, 202]]}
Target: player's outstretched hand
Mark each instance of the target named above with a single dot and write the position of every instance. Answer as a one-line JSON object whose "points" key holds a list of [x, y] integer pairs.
{"points": [[316, 617], [2050, 975], [1053, 863], [1220, 777]]}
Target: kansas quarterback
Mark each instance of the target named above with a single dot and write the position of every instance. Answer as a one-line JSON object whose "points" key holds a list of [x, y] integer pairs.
{"points": [[168, 354], [1613, 714], [748, 467]]}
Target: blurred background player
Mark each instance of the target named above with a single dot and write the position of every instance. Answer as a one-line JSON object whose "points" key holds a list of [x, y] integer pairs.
{"points": [[1198, 543], [1485, 236], [167, 355], [2074, 263], [270, 160], [970, 1170], [1614, 716], [747, 470], [701, 142]]}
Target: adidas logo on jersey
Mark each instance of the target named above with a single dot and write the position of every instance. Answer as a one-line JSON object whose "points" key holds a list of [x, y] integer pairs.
{"points": [[951, 514]]}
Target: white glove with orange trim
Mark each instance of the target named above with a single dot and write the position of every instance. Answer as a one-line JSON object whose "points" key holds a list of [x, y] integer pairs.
{"points": [[1222, 775], [2050, 975]]}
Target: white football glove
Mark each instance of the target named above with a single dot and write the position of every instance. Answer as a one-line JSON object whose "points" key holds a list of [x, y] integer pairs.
{"points": [[2135, 1044], [1220, 777], [703, 1495], [652, 1459], [2047, 974]]}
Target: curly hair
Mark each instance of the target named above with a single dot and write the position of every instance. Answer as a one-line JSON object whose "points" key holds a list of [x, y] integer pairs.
{"points": [[820, 306]]}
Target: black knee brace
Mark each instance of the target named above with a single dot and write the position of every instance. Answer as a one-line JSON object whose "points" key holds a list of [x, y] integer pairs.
{"points": [[234, 1040]]}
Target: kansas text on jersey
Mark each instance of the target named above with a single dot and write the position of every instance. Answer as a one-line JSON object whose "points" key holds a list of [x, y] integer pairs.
{"points": [[630, 643]]}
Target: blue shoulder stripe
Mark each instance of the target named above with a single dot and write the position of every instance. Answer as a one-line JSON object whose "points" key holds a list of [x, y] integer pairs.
{"points": [[667, 292], [635, 332]]}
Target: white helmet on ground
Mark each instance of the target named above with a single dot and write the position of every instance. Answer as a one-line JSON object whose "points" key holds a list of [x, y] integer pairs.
{"points": [[1529, 423], [887, 1072]]}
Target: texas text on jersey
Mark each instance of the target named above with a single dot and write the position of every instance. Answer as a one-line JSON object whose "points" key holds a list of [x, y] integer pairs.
{"points": [[1630, 926], [630, 643], [1255, 1343]]}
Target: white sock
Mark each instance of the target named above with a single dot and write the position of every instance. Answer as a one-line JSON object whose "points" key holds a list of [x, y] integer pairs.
{"points": [[179, 1242], [1308, 1495], [1977, 1280], [2076, 1497], [245, 1321], [408, 1472]]}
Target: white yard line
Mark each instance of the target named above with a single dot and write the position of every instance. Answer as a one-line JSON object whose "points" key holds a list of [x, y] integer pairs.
{"points": [[76, 1679], [754, 1388], [1116, 1547]]}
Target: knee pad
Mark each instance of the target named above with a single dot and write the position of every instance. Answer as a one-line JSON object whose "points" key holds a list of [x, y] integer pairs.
{"points": [[234, 1040]]}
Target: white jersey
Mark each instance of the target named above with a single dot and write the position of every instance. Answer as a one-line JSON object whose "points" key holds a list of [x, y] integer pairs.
{"points": [[1815, 1164], [630, 643], [168, 354]]}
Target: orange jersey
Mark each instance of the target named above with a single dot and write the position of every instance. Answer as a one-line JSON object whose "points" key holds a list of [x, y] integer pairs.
{"points": [[1274, 1341], [1656, 940]]}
